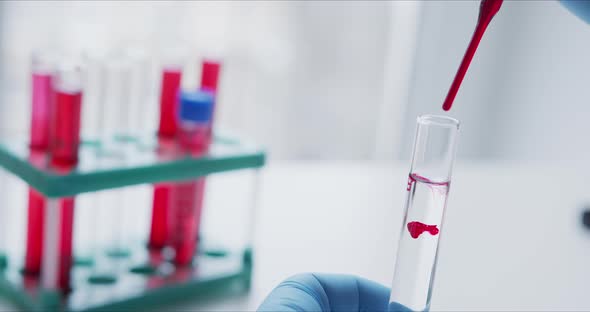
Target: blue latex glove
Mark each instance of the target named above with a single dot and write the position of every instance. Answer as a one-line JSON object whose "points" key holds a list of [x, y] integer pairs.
{"points": [[581, 8], [327, 292]]}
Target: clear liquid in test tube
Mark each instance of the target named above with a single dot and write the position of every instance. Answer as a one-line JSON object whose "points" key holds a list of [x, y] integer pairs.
{"points": [[427, 192]]}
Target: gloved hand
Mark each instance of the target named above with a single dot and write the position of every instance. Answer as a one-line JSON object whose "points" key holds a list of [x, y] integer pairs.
{"points": [[326, 292], [581, 8]]}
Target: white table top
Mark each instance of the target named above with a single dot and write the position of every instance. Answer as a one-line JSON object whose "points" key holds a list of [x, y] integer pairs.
{"points": [[513, 239]]}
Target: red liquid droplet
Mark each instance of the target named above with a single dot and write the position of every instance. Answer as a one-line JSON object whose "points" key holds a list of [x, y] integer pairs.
{"points": [[417, 228], [487, 10]]}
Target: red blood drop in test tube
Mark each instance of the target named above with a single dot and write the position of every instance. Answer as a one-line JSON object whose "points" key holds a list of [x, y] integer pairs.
{"points": [[417, 228]]}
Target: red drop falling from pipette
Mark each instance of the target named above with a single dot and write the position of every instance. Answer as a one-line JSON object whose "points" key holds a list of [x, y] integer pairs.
{"points": [[417, 228], [487, 10]]}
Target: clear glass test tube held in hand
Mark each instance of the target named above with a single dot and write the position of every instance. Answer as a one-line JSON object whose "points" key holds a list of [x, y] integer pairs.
{"points": [[428, 188]]}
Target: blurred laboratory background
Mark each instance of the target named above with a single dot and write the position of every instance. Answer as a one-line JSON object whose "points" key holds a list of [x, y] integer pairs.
{"points": [[339, 80], [331, 90]]}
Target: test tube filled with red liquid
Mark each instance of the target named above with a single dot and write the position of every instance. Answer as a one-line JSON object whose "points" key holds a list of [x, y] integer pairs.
{"points": [[41, 98], [41, 102], [171, 78], [35, 217], [427, 191], [65, 117], [210, 71], [187, 197], [63, 146], [167, 150]]}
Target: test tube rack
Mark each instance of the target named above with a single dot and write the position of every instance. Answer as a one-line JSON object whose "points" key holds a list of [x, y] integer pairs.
{"points": [[140, 283]]}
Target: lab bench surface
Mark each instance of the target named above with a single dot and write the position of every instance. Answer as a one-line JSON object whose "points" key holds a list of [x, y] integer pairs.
{"points": [[513, 237]]}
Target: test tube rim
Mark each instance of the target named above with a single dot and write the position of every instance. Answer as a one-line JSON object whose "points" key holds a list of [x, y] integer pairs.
{"points": [[438, 120], [69, 85]]}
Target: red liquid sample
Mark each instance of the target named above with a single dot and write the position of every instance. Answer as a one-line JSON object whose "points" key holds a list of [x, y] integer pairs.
{"points": [[41, 99], [188, 198], [159, 229], [487, 10], [210, 75], [417, 228], [185, 220], [159, 226], [35, 222], [169, 102], [64, 143], [209, 82], [65, 127]]}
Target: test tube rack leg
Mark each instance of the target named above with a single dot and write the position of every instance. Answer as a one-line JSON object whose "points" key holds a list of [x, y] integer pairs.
{"points": [[145, 278]]}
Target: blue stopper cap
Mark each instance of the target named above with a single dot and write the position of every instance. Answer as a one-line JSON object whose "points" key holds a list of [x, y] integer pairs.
{"points": [[195, 106]]}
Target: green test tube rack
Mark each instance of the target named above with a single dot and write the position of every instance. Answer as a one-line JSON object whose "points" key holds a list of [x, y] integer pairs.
{"points": [[118, 161]]}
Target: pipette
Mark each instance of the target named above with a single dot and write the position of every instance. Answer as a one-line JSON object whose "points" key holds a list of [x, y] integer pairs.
{"points": [[487, 10]]}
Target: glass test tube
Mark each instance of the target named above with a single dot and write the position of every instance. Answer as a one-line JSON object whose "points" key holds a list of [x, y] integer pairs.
{"points": [[187, 197], [41, 72], [141, 108], [89, 208], [428, 187], [65, 120], [35, 213], [210, 71], [41, 99], [171, 77], [63, 144], [116, 109]]}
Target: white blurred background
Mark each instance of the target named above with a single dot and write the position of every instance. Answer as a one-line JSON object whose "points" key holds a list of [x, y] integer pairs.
{"points": [[341, 80]]}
